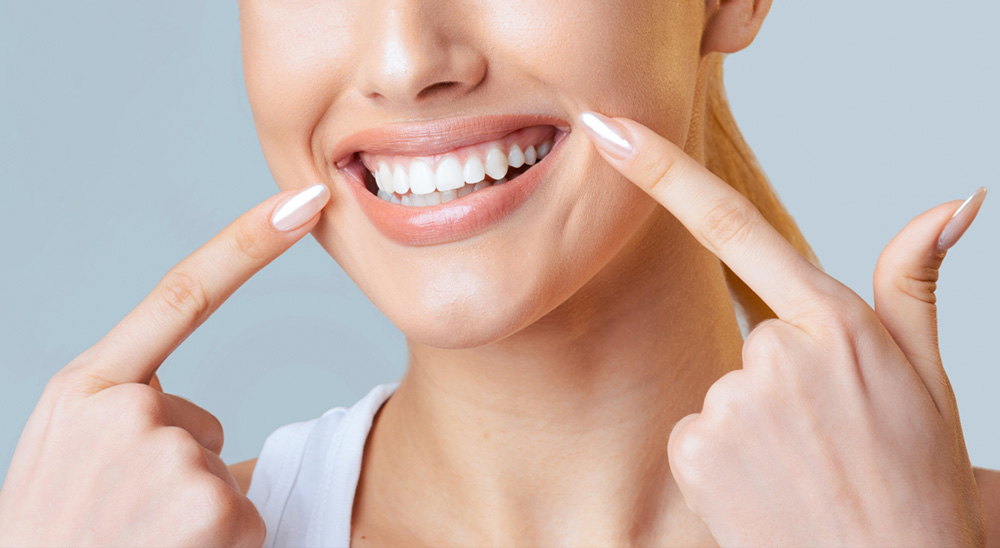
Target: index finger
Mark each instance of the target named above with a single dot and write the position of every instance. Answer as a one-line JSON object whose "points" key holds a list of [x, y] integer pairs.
{"points": [[719, 217], [195, 287]]}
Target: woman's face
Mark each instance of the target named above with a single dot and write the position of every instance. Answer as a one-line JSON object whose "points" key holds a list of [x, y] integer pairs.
{"points": [[319, 72]]}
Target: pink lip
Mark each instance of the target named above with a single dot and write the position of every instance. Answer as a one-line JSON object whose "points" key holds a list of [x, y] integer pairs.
{"points": [[461, 217], [437, 136]]}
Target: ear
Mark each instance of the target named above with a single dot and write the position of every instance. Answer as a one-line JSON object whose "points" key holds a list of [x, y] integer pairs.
{"points": [[730, 25]]}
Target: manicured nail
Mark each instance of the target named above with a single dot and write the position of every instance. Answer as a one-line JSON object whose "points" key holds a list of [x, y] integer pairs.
{"points": [[961, 220], [295, 210], [607, 134]]}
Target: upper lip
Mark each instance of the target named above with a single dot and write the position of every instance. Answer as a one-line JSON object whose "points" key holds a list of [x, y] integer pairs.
{"points": [[437, 136]]}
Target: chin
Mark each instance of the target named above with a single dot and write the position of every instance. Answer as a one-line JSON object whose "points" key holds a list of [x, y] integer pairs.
{"points": [[466, 314]]}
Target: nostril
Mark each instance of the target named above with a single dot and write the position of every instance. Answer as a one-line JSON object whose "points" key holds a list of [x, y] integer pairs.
{"points": [[435, 88]]}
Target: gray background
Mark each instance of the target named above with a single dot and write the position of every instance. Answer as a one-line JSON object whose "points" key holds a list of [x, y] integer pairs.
{"points": [[126, 141]]}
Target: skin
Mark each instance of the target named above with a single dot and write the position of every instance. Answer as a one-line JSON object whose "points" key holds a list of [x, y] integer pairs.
{"points": [[114, 458], [864, 445], [525, 378], [583, 346], [581, 395]]}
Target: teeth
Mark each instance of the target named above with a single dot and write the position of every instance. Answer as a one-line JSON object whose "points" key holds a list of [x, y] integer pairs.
{"points": [[400, 181], [474, 171], [544, 148], [419, 181], [421, 177], [449, 174], [384, 177], [436, 197], [516, 157], [496, 163]]}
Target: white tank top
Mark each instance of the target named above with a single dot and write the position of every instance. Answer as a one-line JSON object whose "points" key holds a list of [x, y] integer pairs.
{"points": [[304, 481]]}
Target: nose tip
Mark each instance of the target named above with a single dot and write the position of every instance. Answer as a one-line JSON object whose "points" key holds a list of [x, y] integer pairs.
{"points": [[412, 59]]}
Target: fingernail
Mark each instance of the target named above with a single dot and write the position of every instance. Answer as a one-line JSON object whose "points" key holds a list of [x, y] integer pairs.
{"points": [[607, 134], [961, 220], [298, 208]]}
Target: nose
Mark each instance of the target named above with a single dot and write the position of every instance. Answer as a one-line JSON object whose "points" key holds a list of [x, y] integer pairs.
{"points": [[414, 53]]}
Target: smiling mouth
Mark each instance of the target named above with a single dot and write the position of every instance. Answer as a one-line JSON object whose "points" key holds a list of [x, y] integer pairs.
{"points": [[441, 178]]}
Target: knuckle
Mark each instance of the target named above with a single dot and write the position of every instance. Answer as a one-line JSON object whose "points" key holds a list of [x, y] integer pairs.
{"points": [[219, 499], [664, 170], [58, 382], [211, 501], [921, 285], [61, 394], [247, 242], [839, 313], [225, 512], [184, 294], [139, 403], [727, 223], [764, 344], [726, 395], [183, 447], [61, 388], [918, 280], [253, 530], [690, 456], [207, 426], [215, 434], [828, 287], [256, 533]]}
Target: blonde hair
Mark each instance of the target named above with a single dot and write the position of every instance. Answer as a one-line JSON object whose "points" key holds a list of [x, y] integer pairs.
{"points": [[728, 156]]}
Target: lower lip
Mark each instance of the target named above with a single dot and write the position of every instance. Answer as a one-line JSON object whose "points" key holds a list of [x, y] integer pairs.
{"points": [[456, 219]]}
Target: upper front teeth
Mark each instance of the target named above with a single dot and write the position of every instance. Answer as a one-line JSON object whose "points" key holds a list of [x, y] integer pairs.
{"points": [[421, 178], [449, 174], [474, 170], [416, 175], [496, 163]]}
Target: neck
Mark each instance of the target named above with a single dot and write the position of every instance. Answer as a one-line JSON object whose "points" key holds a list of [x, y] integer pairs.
{"points": [[557, 435]]}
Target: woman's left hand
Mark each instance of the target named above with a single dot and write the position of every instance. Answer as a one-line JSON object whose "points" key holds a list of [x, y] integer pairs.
{"points": [[841, 428]]}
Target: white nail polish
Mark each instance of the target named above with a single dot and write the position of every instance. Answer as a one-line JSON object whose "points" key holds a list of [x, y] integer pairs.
{"points": [[299, 208]]}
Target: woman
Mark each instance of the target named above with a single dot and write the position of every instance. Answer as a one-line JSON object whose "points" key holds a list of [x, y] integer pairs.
{"points": [[577, 372]]}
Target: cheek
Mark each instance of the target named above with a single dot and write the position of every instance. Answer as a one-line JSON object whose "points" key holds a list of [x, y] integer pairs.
{"points": [[638, 59], [483, 289], [296, 60]]}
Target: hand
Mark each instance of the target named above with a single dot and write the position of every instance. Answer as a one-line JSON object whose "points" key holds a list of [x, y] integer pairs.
{"points": [[841, 428], [108, 459]]}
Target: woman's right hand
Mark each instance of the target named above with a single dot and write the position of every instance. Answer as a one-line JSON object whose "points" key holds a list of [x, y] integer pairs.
{"points": [[106, 458]]}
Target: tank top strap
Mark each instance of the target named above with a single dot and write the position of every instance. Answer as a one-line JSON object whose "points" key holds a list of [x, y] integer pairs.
{"points": [[275, 473], [305, 478]]}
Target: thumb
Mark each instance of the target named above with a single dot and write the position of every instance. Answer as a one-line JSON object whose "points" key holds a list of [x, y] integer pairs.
{"points": [[904, 283]]}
